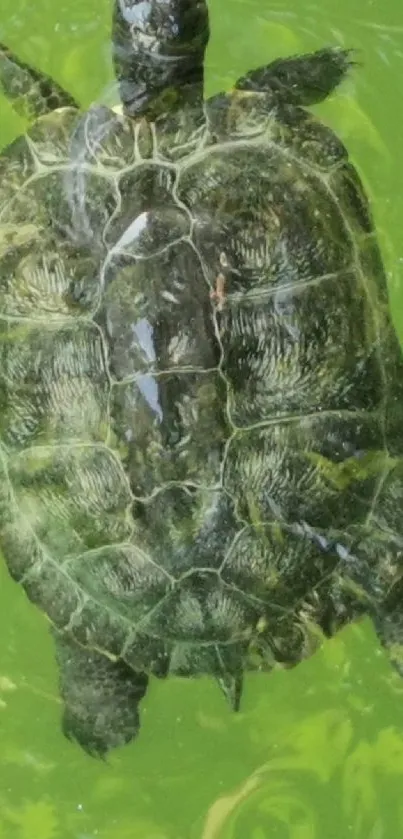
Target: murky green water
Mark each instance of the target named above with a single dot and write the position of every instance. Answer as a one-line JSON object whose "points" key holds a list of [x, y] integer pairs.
{"points": [[316, 753]]}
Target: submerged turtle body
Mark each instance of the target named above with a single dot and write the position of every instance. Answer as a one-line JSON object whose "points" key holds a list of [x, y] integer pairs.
{"points": [[201, 389]]}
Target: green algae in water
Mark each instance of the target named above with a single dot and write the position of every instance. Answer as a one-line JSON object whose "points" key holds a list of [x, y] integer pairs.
{"points": [[316, 751]]}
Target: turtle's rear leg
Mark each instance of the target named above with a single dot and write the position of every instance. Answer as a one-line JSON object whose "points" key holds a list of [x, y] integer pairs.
{"points": [[300, 79], [31, 93], [100, 697], [389, 625], [373, 566]]}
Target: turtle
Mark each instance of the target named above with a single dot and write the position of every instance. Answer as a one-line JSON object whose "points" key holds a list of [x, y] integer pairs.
{"points": [[201, 384]]}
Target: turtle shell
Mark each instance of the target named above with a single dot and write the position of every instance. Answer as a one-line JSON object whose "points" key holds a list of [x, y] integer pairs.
{"points": [[198, 379]]}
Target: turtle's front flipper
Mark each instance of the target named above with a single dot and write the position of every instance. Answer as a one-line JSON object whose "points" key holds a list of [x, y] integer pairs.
{"points": [[30, 92], [100, 697], [301, 79]]}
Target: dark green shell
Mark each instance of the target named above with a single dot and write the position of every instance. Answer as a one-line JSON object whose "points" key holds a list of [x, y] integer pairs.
{"points": [[190, 482]]}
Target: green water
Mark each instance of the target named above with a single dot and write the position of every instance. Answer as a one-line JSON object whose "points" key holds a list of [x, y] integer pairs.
{"points": [[317, 752]]}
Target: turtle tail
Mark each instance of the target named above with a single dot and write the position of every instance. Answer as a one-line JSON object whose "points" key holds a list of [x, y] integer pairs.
{"points": [[30, 92]]}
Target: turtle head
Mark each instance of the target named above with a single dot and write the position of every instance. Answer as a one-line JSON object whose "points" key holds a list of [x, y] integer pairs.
{"points": [[158, 53]]}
